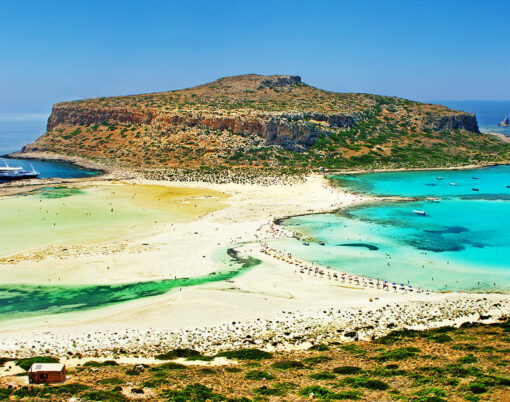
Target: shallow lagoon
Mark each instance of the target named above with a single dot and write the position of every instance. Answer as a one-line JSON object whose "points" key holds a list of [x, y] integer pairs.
{"points": [[462, 243], [75, 216]]}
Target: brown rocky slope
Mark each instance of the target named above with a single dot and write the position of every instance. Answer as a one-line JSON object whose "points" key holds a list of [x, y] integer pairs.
{"points": [[265, 121]]}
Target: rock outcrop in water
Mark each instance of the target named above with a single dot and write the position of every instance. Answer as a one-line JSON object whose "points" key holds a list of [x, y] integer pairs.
{"points": [[260, 121], [505, 122]]}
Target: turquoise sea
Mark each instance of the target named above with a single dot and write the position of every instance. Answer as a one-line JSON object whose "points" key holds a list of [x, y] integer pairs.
{"points": [[462, 243]]}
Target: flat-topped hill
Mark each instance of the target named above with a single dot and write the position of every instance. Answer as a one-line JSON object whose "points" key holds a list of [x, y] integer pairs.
{"points": [[266, 121]]}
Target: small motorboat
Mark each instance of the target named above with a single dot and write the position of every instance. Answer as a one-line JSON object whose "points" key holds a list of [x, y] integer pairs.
{"points": [[475, 178], [453, 184], [421, 213], [475, 189], [439, 178]]}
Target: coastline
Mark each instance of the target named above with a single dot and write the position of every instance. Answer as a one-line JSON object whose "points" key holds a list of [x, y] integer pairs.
{"points": [[265, 303]]}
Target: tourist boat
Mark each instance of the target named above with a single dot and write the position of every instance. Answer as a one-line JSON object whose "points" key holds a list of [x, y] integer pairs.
{"points": [[8, 173], [422, 213]]}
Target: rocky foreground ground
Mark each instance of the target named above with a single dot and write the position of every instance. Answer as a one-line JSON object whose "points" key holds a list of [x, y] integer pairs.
{"points": [[444, 364]]}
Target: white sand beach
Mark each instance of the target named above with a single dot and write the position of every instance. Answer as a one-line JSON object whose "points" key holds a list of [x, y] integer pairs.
{"points": [[272, 305]]}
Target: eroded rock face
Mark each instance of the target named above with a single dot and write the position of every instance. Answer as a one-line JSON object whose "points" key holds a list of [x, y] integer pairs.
{"points": [[466, 121], [295, 131], [282, 81]]}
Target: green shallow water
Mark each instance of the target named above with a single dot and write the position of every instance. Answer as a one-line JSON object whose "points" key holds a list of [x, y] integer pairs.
{"points": [[20, 301]]}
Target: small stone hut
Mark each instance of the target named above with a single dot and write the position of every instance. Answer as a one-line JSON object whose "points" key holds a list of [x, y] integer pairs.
{"points": [[40, 373]]}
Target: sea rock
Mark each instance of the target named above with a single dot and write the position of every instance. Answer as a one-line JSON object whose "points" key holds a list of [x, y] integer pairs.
{"points": [[505, 122]]}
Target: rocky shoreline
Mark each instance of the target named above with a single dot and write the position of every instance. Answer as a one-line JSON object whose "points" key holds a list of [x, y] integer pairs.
{"points": [[287, 331]]}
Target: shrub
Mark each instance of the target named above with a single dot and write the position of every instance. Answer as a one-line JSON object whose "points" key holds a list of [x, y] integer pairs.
{"points": [[106, 363], [246, 354], [317, 359], [477, 387], [365, 383], [233, 369], [287, 364], [347, 370], [200, 358], [176, 353], [353, 349], [440, 338], [259, 375], [467, 359], [326, 394], [111, 381], [194, 392], [154, 383], [268, 391], [323, 375], [25, 364], [169, 366]]}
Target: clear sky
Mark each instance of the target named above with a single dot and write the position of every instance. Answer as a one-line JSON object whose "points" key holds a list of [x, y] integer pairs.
{"points": [[52, 51]]}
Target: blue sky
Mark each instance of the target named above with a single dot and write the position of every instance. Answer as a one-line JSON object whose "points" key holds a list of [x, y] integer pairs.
{"points": [[426, 50]]}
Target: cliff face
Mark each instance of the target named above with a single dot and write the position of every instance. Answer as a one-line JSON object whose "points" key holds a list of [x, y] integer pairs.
{"points": [[465, 121], [249, 119], [293, 131]]}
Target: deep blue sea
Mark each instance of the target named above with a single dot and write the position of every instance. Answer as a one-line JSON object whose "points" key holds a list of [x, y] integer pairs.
{"points": [[488, 113], [19, 129]]}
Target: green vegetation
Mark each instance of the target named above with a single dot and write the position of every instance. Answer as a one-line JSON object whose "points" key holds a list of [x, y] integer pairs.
{"points": [[25, 364], [176, 353], [398, 354], [106, 363], [259, 375], [287, 365], [405, 365], [246, 354]]}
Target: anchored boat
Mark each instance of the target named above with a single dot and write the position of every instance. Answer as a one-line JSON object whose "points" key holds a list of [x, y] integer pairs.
{"points": [[8, 173], [422, 213]]}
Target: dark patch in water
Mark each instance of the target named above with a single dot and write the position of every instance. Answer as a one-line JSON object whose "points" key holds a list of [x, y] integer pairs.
{"points": [[437, 245], [431, 184], [366, 245], [449, 229], [486, 197]]}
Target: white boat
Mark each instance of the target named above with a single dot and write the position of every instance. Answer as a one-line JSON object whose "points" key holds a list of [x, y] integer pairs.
{"points": [[439, 178], [453, 184], [422, 213], [8, 173]]}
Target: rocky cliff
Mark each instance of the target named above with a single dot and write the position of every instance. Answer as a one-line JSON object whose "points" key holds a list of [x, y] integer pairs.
{"points": [[254, 120]]}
